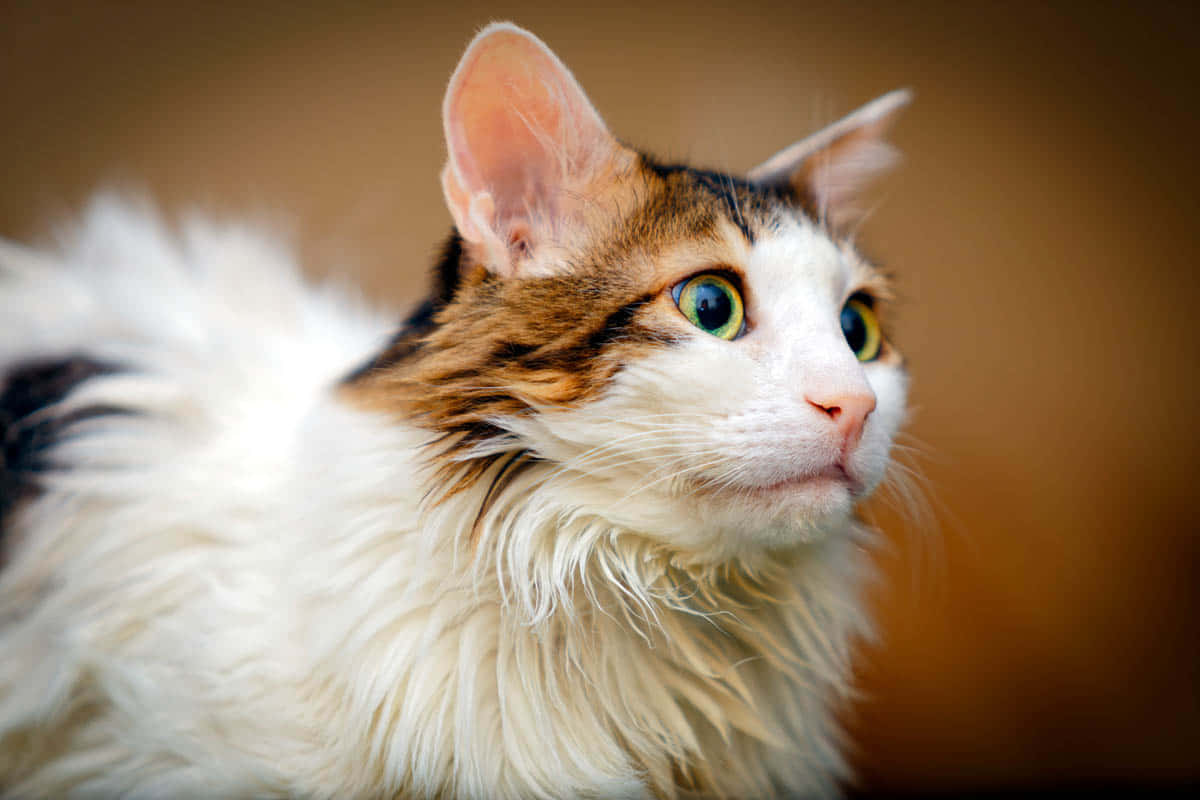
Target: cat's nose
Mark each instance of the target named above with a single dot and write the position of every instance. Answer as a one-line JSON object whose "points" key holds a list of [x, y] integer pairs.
{"points": [[848, 410]]}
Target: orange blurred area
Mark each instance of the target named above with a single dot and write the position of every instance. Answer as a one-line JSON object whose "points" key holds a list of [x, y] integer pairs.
{"points": [[1039, 624]]}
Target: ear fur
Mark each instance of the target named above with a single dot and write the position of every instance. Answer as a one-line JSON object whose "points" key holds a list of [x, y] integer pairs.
{"points": [[522, 138], [831, 166]]}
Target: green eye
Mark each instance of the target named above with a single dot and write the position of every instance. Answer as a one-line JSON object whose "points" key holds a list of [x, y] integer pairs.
{"points": [[712, 304], [861, 329]]}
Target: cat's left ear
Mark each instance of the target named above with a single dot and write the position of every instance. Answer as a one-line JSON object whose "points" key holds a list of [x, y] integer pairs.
{"points": [[830, 167], [525, 148]]}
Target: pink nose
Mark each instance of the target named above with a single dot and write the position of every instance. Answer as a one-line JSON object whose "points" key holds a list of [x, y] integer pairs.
{"points": [[849, 412]]}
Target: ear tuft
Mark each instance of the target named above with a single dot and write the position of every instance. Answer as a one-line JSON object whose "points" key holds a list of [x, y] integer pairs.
{"points": [[520, 135], [829, 168]]}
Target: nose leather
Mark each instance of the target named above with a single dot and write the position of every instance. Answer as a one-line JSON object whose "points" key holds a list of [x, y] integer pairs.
{"points": [[848, 411]]}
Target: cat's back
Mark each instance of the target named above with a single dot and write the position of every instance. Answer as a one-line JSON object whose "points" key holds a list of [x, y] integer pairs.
{"points": [[199, 340], [160, 388]]}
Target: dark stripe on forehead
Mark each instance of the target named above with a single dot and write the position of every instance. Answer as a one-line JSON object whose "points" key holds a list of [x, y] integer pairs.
{"points": [[737, 194]]}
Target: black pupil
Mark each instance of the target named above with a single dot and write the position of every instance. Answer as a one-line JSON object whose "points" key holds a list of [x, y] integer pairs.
{"points": [[854, 328], [713, 306]]}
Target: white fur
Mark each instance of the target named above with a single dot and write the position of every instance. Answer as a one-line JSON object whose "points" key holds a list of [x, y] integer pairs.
{"points": [[239, 591]]}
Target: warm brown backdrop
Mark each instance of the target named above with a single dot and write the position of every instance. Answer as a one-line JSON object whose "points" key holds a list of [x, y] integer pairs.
{"points": [[1043, 228]]}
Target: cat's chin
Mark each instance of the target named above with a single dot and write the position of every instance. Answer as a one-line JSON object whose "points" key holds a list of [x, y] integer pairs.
{"points": [[799, 509], [830, 490]]}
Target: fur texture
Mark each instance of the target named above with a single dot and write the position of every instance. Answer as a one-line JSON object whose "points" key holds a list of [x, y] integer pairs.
{"points": [[549, 540]]}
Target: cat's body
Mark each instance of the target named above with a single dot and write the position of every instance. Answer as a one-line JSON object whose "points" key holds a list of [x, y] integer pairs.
{"points": [[553, 539]]}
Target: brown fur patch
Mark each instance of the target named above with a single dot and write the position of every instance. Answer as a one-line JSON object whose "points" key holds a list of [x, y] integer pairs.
{"points": [[505, 348]]}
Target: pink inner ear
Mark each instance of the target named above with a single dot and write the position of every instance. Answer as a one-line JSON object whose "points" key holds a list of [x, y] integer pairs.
{"points": [[835, 176], [518, 127], [832, 165]]}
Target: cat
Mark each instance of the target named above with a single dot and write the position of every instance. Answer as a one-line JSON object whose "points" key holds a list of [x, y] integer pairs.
{"points": [[584, 526]]}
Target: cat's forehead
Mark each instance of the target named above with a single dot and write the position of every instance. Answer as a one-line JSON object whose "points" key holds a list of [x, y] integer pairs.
{"points": [[688, 201], [687, 219], [799, 253]]}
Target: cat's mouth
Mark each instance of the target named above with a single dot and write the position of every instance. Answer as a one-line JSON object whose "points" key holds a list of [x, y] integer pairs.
{"points": [[832, 478]]}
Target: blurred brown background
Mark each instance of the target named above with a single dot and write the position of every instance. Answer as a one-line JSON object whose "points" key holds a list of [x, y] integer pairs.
{"points": [[1042, 630]]}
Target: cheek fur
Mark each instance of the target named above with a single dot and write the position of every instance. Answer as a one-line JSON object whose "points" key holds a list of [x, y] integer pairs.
{"points": [[701, 414]]}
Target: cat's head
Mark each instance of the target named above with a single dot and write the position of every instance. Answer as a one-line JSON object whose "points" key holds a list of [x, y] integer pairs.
{"points": [[691, 355]]}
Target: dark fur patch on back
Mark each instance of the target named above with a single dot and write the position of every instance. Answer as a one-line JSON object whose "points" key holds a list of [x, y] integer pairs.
{"points": [[26, 437]]}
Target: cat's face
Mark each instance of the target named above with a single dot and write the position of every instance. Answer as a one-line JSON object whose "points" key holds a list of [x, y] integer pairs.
{"points": [[738, 413], [684, 353]]}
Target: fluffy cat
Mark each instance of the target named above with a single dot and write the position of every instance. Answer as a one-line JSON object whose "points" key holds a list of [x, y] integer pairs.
{"points": [[584, 527]]}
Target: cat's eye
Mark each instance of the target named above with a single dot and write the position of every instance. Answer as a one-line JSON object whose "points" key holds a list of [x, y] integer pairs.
{"points": [[860, 326], [712, 304]]}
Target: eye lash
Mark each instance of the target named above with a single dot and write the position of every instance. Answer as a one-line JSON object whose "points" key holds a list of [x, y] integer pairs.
{"points": [[728, 273], [864, 297]]}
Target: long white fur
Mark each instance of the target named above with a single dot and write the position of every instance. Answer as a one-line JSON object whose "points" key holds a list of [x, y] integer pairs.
{"points": [[237, 591]]}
